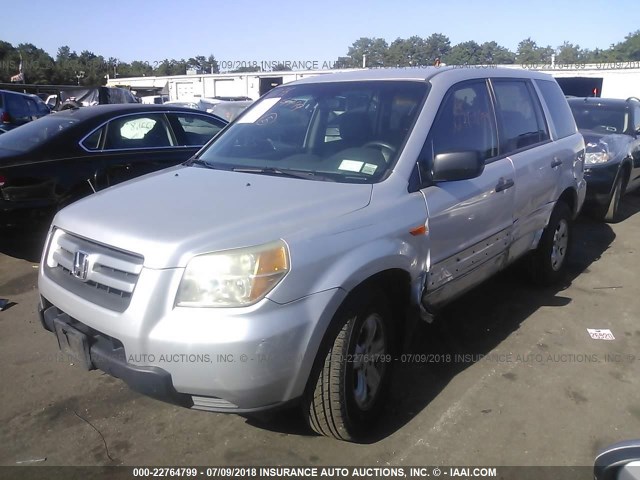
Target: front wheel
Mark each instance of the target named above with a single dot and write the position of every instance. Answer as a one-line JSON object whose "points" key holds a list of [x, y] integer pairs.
{"points": [[347, 388], [548, 262], [613, 210]]}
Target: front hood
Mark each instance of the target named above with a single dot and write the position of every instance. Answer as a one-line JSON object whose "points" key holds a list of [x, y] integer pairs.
{"points": [[171, 215], [617, 143]]}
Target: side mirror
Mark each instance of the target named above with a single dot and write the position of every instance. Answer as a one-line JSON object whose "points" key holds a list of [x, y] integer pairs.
{"points": [[620, 461], [453, 166]]}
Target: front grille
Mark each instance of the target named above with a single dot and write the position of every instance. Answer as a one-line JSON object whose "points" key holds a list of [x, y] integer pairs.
{"points": [[109, 275]]}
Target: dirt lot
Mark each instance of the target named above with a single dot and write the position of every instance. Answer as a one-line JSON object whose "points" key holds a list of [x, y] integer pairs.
{"points": [[513, 379]]}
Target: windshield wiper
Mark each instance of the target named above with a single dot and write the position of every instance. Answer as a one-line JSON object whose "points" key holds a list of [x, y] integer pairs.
{"points": [[197, 161], [283, 172]]}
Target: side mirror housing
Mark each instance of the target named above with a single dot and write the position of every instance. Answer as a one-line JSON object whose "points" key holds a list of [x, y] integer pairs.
{"points": [[452, 166], [620, 461]]}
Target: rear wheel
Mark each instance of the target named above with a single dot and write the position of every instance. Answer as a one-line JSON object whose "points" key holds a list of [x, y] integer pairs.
{"points": [[348, 386], [548, 261]]}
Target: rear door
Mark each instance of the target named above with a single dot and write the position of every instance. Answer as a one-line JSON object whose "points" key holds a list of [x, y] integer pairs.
{"points": [[133, 145], [525, 139], [469, 221]]}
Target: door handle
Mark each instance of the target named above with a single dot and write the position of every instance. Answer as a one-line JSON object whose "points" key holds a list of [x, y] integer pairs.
{"points": [[556, 162], [504, 184]]}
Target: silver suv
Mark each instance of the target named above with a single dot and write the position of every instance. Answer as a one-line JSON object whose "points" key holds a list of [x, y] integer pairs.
{"points": [[283, 262]]}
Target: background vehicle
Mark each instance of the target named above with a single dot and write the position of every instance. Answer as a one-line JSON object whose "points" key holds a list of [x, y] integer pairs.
{"points": [[352, 205], [229, 107], [229, 110], [611, 129], [53, 161], [154, 99], [86, 97], [19, 108]]}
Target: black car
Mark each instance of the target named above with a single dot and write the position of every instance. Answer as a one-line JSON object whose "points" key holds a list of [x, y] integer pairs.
{"points": [[19, 108], [611, 130], [51, 162]]}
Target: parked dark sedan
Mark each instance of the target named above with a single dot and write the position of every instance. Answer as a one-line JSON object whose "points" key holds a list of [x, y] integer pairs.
{"points": [[51, 162], [611, 130]]}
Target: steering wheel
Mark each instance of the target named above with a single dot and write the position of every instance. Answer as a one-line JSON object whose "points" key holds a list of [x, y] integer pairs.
{"points": [[385, 148]]}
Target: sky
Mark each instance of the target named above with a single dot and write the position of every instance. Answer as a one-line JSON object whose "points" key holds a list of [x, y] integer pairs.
{"points": [[295, 30]]}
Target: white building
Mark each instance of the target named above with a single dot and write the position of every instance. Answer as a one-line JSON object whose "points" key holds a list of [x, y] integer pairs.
{"points": [[614, 80]]}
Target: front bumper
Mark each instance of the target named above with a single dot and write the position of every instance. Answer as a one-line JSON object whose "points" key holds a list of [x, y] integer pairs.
{"points": [[224, 359], [107, 354], [600, 180]]}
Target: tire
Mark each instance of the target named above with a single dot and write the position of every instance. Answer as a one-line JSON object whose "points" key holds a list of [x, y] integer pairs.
{"points": [[548, 262], [70, 104], [348, 386], [612, 214]]}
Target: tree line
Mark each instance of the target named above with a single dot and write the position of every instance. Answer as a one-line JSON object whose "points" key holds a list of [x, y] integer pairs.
{"points": [[87, 68]]}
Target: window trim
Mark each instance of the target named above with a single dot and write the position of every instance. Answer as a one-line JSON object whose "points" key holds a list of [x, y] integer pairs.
{"points": [[153, 112]]}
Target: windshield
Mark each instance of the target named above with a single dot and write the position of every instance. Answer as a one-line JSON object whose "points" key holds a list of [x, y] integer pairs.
{"points": [[36, 133], [347, 131], [600, 118]]}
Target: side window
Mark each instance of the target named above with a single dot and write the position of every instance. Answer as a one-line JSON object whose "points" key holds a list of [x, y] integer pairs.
{"points": [[194, 130], [33, 107], [560, 112], [93, 141], [464, 122], [18, 108], [636, 119], [137, 131], [520, 115]]}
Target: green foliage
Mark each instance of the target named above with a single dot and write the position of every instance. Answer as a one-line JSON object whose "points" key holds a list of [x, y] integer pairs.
{"points": [[375, 50], [90, 69]]}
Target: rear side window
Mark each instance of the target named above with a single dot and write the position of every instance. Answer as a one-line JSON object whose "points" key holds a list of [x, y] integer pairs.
{"points": [[520, 115], [18, 108], [93, 141], [559, 110]]}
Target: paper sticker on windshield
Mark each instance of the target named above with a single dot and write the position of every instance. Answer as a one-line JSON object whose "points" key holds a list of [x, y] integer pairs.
{"points": [[369, 168], [351, 165], [259, 110], [601, 333]]}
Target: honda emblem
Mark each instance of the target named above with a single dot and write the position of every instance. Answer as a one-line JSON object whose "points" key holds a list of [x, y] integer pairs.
{"points": [[80, 265]]}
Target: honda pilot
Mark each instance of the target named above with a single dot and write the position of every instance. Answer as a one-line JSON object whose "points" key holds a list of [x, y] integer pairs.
{"points": [[282, 264]]}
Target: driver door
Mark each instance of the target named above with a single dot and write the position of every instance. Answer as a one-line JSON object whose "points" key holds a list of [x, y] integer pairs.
{"points": [[469, 221]]}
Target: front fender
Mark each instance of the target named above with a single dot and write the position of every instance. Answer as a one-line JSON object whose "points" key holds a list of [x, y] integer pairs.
{"points": [[347, 267]]}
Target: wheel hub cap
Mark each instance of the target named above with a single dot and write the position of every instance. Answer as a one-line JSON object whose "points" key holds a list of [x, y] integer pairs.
{"points": [[368, 366], [560, 243]]}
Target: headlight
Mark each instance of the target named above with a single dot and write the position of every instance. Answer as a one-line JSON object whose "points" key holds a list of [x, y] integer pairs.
{"points": [[234, 278], [593, 158], [596, 153]]}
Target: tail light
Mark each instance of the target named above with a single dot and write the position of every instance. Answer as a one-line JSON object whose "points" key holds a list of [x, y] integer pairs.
{"points": [[3, 180], [5, 117]]}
